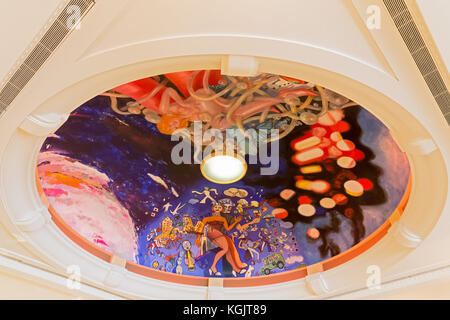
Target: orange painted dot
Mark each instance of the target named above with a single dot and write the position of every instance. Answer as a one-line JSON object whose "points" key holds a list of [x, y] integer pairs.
{"points": [[319, 131], [287, 194], [334, 152], [170, 123], [313, 233], [279, 213], [324, 143], [349, 212], [340, 199]]}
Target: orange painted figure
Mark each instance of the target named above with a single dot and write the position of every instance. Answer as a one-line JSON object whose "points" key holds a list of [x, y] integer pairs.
{"points": [[170, 123], [214, 225], [169, 234]]}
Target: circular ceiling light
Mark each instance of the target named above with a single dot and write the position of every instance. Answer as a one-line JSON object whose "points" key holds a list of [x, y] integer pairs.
{"points": [[223, 168]]}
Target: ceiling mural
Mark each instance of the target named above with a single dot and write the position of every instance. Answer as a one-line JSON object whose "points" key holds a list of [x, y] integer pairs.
{"points": [[316, 173]]}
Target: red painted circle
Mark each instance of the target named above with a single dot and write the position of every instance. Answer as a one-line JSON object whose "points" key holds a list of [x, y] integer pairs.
{"points": [[349, 212], [340, 199], [366, 183], [342, 126], [304, 200]]}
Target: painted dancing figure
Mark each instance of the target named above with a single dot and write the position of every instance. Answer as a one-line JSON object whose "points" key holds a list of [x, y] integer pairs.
{"points": [[215, 224], [207, 194]]}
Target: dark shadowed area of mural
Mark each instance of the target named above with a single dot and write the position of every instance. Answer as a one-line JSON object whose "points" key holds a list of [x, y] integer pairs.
{"points": [[162, 206]]}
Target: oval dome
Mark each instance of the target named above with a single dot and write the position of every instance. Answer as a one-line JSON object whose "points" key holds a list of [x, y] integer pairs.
{"points": [[322, 173]]}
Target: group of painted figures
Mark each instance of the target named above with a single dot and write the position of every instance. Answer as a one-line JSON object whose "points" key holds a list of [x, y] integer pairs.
{"points": [[235, 231]]}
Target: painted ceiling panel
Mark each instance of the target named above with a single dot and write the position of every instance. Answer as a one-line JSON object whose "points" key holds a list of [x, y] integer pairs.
{"points": [[116, 172]]}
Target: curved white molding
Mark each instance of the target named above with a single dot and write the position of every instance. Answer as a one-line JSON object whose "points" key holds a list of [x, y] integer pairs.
{"points": [[215, 289], [49, 279], [17, 171], [217, 41], [414, 144], [406, 284], [35, 220], [114, 277], [404, 236], [240, 66], [317, 284], [117, 272], [421, 147], [42, 125], [118, 261]]}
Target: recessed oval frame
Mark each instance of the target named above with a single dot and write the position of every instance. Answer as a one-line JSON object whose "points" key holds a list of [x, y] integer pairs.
{"points": [[425, 170]]}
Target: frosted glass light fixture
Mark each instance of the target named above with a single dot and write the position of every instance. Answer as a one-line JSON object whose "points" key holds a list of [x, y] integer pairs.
{"points": [[223, 168]]}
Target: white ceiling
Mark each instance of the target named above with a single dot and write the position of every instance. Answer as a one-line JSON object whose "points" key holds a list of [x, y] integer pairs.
{"points": [[327, 34], [437, 16], [20, 22]]}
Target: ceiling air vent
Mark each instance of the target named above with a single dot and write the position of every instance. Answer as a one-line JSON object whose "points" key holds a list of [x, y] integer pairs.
{"points": [[36, 57], [420, 53]]}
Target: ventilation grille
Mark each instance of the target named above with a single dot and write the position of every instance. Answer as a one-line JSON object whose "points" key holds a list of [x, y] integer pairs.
{"points": [[54, 35], [420, 53]]}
